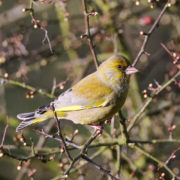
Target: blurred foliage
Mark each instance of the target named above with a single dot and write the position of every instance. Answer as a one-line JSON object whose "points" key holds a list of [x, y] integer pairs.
{"points": [[116, 27]]}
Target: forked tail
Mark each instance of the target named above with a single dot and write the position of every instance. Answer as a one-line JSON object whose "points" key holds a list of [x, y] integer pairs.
{"points": [[41, 114]]}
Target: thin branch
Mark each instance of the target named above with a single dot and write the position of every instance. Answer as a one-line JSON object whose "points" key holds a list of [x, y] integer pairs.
{"points": [[120, 142], [60, 132], [46, 37], [172, 156], [162, 164], [99, 167], [124, 133], [91, 139], [38, 24], [149, 100], [166, 49], [49, 151], [174, 55], [5, 153], [97, 153], [4, 134], [74, 146], [71, 166], [83, 151], [155, 141], [80, 165], [88, 33], [58, 139], [148, 35], [24, 86], [119, 164]]}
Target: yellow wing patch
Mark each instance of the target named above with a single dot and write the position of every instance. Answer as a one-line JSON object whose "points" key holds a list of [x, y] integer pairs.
{"points": [[59, 113], [73, 108], [70, 108], [38, 120], [78, 107]]}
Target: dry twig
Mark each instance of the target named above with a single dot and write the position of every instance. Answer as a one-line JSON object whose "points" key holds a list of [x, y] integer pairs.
{"points": [[150, 32], [88, 33]]}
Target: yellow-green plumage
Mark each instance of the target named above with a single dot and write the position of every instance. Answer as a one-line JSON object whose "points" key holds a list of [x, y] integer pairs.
{"points": [[92, 100]]}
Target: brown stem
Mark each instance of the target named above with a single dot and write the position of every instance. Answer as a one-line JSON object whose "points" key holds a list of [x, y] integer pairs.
{"points": [[149, 100], [152, 29], [57, 139], [88, 33], [4, 134], [99, 167], [60, 133]]}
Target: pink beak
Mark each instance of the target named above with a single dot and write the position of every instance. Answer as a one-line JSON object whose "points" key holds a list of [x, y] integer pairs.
{"points": [[131, 70]]}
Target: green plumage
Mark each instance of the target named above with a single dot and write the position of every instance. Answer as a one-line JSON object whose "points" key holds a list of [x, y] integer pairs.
{"points": [[94, 99]]}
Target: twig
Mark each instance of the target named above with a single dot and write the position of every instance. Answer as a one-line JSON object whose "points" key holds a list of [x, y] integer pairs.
{"points": [[149, 100], [83, 151], [60, 132], [37, 24], [28, 87], [91, 139], [172, 156], [16, 157], [148, 35], [118, 149], [4, 134], [166, 49], [58, 139], [99, 167], [49, 151], [47, 129], [37, 148], [79, 166], [71, 166], [101, 150], [155, 159], [174, 55], [88, 33], [123, 127], [155, 141], [111, 143], [46, 37]]}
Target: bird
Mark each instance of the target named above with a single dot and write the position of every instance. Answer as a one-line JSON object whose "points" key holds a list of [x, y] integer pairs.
{"points": [[94, 99]]}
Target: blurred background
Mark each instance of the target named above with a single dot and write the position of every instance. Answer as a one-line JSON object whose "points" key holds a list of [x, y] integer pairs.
{"points": [[25, 58]]}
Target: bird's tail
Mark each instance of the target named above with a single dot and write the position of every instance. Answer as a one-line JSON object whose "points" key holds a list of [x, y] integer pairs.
{"points": [[41, 114]]}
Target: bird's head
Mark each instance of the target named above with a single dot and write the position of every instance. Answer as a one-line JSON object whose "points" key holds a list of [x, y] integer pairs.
{"points": [[115, 72]]}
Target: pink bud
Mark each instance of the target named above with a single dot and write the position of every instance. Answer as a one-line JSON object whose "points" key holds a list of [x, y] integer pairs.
{"points": [[146, 20]]}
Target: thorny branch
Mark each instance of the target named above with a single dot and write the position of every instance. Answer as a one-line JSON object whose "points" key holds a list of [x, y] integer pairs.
{"points": [[149, 100], [150, 32], [88, 33]]}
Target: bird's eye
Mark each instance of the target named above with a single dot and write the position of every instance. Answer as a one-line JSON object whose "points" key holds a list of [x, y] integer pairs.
{"points": [[119, 67]]}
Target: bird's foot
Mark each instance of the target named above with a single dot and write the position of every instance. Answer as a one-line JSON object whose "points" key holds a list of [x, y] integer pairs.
{"points": [[107, 121]]}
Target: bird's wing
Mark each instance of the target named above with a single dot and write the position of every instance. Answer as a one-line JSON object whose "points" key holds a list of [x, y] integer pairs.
{"points": [[90, 92]]}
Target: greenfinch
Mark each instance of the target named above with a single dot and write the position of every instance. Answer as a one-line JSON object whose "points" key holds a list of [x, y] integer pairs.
{"points": [[94, 99]]}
